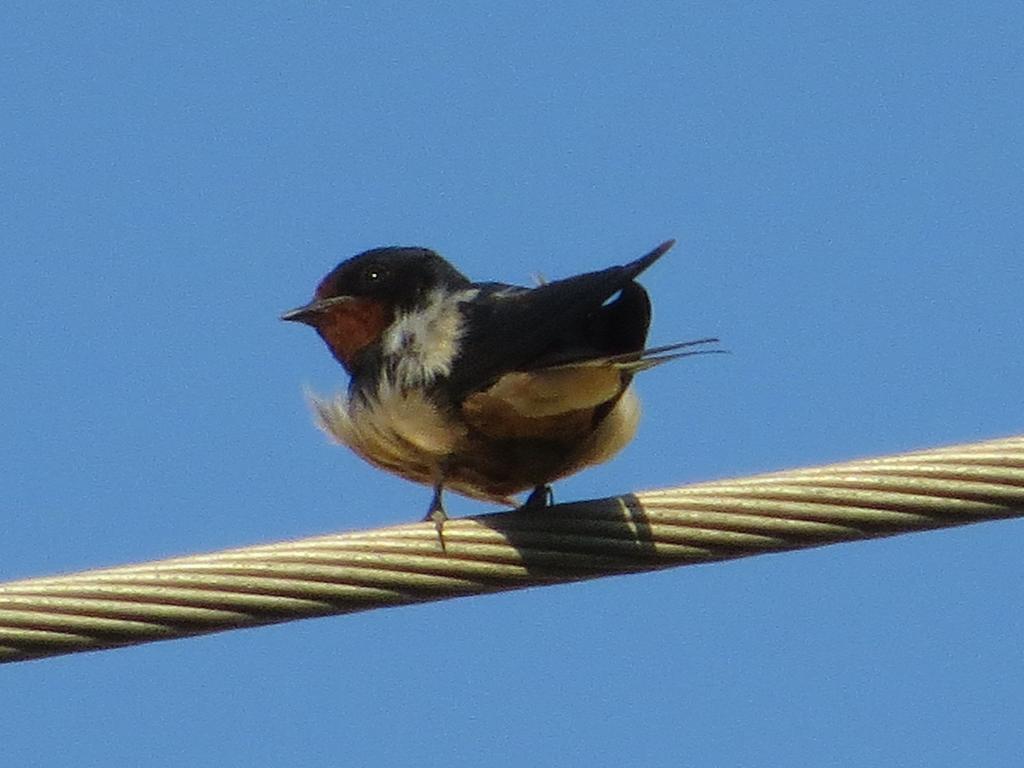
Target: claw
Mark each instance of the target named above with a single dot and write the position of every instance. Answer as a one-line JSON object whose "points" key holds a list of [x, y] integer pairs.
{"points": [[437, 514], [540, 497]]}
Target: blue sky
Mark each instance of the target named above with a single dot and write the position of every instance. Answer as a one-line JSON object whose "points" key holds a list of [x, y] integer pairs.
{"points": [[847, 187]]}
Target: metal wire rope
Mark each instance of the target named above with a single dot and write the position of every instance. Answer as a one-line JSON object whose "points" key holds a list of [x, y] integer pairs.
{"points": [[360, 570]]}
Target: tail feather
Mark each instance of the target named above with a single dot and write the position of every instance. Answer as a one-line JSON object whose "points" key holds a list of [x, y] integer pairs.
{"points": [[642, 359]]}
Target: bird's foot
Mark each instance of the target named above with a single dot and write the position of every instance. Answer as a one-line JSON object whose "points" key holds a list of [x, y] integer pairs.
{"points": [[540, 497], [436, 514]]}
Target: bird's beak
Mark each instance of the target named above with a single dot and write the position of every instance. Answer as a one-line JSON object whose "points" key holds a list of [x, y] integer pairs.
{"points": [[309, 313]]}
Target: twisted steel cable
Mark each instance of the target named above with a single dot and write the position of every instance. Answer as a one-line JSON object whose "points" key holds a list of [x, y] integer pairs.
{"points": [[361, 570]]}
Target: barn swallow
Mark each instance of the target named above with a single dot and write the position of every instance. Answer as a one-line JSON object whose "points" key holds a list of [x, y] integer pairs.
{"points": [[485, 389]]}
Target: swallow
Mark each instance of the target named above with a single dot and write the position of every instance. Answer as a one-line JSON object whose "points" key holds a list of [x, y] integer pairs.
{"points": [[485, 389]]}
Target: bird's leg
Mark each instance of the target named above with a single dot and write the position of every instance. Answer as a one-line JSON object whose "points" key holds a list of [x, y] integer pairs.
{"points": [[435, 511], [540, 497]]}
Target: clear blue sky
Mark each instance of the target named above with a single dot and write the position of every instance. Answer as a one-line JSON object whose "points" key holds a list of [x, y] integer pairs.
{"points": [[847, 188]]}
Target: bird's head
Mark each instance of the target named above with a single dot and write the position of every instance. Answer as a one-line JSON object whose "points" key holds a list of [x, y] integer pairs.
{"points": [[354, 305]]}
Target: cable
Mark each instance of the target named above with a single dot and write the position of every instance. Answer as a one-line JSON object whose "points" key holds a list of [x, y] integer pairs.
{"points": [[360, 570]]}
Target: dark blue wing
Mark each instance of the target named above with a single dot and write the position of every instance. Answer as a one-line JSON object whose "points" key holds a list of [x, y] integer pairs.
{"points": [[520, 329]]}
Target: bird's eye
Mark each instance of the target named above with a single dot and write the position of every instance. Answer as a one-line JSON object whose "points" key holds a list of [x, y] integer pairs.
{"points": [[373, 274]]}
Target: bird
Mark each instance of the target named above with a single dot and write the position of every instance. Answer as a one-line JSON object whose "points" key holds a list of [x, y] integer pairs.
{"points": [[483, 388]]}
